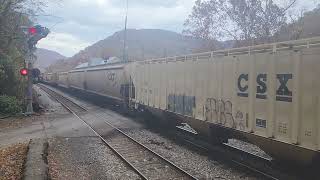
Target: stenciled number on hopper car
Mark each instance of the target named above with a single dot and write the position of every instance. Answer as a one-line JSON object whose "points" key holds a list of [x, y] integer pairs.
{"points": [[112, 77], [283, 93]]}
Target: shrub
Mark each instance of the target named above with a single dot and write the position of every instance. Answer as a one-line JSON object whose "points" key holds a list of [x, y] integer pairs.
{"points": [[9, 105]]}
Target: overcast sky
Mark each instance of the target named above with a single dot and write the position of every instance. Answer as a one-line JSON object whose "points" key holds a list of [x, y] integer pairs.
{"points": [[76, 24]]}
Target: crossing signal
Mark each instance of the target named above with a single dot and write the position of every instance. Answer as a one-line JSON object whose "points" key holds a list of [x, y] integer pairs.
{"points": [[24, 71]]}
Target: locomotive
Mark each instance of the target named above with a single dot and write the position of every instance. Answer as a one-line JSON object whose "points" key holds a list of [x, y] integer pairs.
{"points": [[265, 94]]}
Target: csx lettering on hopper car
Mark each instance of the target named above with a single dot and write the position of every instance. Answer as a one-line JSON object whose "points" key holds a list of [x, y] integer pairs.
{"points": [[266, 94]]}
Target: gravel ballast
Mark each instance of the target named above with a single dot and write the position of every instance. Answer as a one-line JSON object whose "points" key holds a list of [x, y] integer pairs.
{"points": [[199, 165], [85, 158]]}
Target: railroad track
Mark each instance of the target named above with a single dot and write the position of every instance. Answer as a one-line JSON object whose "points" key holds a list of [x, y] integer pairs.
{"points": [[70, 105], [141, 159]]}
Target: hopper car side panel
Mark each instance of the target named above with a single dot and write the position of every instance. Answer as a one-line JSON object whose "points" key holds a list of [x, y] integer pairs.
{"points": [[47, 77], [77, 79], [307, 106], [63, 79], [51, 78], [110, 82], [270, 94]]}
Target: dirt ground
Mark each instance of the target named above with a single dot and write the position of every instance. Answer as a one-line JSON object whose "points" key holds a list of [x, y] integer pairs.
{"points": [[12, 159], [16, 132], [14, 122]]}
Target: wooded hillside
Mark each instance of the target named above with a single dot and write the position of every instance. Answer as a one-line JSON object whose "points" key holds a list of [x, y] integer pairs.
{"points": [[156, 43]]}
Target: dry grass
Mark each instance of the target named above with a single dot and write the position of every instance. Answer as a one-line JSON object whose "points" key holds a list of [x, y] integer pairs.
{"points": [[12, 159]]}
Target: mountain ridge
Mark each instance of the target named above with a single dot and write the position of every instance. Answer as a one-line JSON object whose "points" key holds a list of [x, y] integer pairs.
{"points": [[46, 58], [141, 44]]}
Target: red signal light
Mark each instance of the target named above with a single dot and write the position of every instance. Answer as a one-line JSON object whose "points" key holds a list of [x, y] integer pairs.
{"points": [[32, 30], [24, 71]]}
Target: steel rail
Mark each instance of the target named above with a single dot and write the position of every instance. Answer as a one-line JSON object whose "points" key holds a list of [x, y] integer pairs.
{"points": [[145, 147], [255, 170], [54, 94], [103, 139], [46, 89], [239, 163]]}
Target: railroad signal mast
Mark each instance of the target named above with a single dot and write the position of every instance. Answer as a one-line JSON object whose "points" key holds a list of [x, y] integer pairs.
{"points": [[34, 34]]}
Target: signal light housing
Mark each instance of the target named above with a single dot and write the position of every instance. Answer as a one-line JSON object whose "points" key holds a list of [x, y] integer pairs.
{"points": [[24, 71], [32, 30], [36, 33]]}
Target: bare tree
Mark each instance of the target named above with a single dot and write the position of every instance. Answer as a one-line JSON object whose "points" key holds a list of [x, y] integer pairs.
{"points": [[295, 26], [204, 20], [246, 21]]}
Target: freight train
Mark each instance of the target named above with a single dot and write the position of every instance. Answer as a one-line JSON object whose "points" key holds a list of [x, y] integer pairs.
{"points": [[266, 94]]}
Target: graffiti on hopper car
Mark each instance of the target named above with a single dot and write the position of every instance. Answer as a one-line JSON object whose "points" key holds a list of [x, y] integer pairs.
{"points": [[240, 120], [220, 111], [283, 93], [181, 104]]}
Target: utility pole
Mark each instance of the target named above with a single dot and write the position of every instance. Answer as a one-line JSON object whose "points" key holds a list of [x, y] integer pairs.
{"points": [[125, 56]]}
